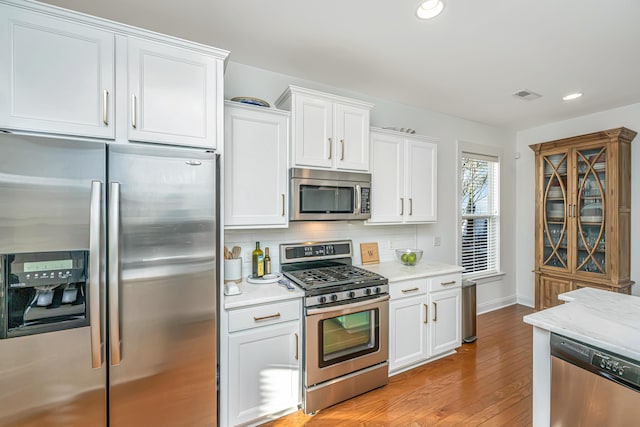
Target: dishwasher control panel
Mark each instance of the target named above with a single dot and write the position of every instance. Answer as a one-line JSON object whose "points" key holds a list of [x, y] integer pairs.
{"points": [[587, 356]]}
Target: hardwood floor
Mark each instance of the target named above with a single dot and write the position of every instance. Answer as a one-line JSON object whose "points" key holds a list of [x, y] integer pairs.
{"points": [[486, 383]]}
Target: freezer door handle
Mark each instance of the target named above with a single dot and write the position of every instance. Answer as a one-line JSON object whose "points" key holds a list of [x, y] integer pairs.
{"points": [[114, 272], [95, 220]]}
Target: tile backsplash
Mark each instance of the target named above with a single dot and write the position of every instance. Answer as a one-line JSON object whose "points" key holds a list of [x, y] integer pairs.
{"points": [[388, 237]]}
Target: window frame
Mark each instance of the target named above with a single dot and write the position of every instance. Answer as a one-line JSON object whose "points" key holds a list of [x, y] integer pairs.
{"points": [[489, 153]]}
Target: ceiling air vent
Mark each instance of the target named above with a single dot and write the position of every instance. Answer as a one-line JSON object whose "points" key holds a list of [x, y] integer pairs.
{"points": [[526, 94]]}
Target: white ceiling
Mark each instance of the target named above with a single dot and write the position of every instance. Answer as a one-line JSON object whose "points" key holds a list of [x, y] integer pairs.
{"points": [[467, 62]]}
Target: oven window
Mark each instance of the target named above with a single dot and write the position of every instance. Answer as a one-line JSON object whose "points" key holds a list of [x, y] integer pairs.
{"points": [[326, 199], [349, 336]]}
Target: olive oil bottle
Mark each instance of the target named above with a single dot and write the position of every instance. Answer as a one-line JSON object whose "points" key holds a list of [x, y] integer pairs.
{"points": [[267, 261], [257, 261]]}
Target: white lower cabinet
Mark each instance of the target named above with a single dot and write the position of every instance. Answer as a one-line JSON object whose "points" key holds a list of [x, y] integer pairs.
{"points": [[265, 347], [424, 320]]}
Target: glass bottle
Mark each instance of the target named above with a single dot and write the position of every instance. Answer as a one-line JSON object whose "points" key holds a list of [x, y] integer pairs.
{"points": [[257, 261]]}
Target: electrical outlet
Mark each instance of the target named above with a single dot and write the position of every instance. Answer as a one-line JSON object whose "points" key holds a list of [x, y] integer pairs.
{"points": [[437, 241]]}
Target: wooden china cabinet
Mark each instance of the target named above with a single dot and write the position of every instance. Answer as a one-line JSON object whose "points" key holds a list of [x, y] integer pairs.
{"points": [[583, 214]]}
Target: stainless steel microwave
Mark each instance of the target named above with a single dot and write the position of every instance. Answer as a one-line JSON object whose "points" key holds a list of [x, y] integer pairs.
{"points": [[321, 195]]}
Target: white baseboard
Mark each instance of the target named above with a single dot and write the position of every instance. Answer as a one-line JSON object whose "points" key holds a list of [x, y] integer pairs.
{"points": [[526, 301], [496, 304]]}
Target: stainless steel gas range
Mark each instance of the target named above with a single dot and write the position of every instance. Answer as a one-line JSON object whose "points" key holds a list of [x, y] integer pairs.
{"points": [[345, 323]]}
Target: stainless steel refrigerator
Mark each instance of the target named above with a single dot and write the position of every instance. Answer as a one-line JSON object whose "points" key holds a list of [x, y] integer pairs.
{"points": [[108, 283]]}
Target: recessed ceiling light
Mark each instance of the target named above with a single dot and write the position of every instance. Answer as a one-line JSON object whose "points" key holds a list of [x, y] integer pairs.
{"points": [[572, 96], [430, 9]]}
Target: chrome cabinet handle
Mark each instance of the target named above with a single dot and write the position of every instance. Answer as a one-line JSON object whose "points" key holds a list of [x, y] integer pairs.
{"points": [[95, 221], [105, 107], [282, 194], [453, 282], [330, 147], [406, 291], [133, 111], [296, 346], [401, 206], [426, 313], [114, 272], [271, 316], [410, 206], [435, 311], [342, 149]]}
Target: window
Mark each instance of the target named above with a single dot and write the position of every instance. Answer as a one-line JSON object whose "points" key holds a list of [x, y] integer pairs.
{"points": [[479, 214]]}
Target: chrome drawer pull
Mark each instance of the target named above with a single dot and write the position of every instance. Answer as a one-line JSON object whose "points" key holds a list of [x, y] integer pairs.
{"points": [[406, 291], [273, 316]]}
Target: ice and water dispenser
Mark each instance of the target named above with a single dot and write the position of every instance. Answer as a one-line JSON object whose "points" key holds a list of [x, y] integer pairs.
{"points": [[43, 292]]}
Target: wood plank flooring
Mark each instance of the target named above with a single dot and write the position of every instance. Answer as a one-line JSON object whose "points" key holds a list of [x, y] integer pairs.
{"points": [[486, 383]]}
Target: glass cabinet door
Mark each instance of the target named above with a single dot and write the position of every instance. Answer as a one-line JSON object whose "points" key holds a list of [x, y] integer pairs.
{"points": [[590, 211], [555, 205]]}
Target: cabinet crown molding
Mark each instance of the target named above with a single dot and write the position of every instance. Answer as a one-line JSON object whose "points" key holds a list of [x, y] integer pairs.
{"points": [[621, 134], [292, 90]]}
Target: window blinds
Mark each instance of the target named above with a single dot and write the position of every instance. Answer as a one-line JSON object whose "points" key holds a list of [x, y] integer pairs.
{"points": [[479, 214]]}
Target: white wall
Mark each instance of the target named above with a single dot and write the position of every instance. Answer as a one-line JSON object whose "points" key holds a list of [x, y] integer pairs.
{"points": [[629, 117], [242, 80]]}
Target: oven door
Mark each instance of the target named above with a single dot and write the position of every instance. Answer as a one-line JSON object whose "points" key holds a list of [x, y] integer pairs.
{"points": [[345, 338]]}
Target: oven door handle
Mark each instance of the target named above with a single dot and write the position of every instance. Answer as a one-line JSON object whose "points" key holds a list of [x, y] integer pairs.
{"points": [[312, 311]]}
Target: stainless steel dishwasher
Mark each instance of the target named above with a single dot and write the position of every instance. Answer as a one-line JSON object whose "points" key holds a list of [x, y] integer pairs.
{"points": [[591, 386]]}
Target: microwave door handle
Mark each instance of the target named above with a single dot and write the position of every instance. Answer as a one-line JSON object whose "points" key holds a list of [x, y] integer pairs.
{"points": [[358, 199]]}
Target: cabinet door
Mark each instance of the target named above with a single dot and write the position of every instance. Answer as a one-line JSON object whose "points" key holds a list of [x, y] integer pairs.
{"points": [[172, 95], [548, 290], [55, 76], [556, 211], [591, 211], [313, 132], [352, 138], [446, 332], [264, 371], [255, 165], [407, 332], [421, 188], [388, 203]]}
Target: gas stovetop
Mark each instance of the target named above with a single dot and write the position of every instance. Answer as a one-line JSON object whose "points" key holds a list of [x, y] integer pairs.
{"points": [[324, 271]]}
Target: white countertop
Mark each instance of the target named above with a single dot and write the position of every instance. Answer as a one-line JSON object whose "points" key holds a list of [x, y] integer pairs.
{"points": [[395, 271], [608, 320], [253, 294]]}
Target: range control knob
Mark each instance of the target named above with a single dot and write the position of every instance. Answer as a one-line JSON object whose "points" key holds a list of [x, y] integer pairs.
{"points": [[322, 300], [351, 294], [367, 291], [377, 290], [334, 297]]}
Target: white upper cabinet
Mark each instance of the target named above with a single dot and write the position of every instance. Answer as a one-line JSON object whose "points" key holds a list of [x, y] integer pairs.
{"points": [[173, 94], [255, 166], [55, 75], [67, 73], [328, 131], [404, 178]]}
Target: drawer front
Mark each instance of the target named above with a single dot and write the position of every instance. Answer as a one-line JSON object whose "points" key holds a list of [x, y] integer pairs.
{"points": [[407, 288], [448, 281], [262, 315]]}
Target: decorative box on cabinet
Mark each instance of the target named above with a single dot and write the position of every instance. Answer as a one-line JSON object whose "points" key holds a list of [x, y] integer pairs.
{"points": [[404, 178], [327, 131], [583, 214], [264, 362], [67, 73], [56, 75], [255, 166], [424, 320]]}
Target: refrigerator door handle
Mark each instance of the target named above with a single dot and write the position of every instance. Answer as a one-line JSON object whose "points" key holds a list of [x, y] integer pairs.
{"points": [[114, 272], [95, 221]]}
